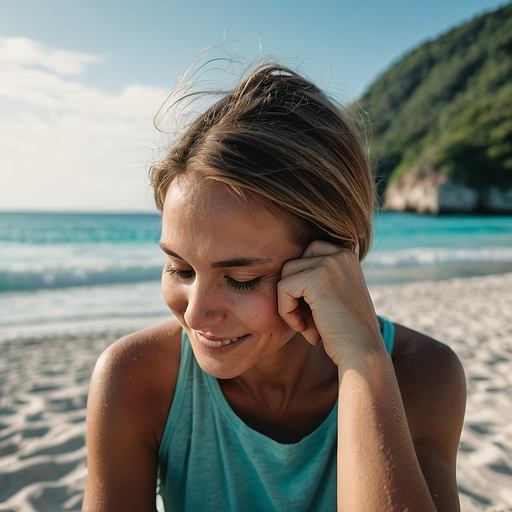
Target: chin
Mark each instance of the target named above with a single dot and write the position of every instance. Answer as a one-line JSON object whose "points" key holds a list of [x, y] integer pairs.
{"points": [[221, 371]]}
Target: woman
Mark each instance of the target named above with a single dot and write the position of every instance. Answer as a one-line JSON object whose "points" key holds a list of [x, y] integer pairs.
{"points": [[272, 388]]}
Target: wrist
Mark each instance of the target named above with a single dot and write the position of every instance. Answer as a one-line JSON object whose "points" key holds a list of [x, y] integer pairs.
{"points": [[360, 355]]}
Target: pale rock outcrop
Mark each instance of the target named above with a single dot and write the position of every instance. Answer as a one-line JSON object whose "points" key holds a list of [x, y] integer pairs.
{"points": [[425, 190]]}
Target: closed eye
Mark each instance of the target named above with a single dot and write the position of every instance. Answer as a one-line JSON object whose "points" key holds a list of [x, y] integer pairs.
{"points": [[243, 285], [233, 283], [181, 274]]}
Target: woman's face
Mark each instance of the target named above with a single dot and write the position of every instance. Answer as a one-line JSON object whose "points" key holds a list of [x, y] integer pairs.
{"points": [[223, 262]]}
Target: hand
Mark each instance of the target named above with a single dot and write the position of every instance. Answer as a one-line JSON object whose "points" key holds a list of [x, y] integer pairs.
{"points": [[324, 296]]}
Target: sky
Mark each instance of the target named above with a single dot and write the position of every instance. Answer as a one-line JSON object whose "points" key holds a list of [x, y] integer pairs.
{"points": [[81, 80]]}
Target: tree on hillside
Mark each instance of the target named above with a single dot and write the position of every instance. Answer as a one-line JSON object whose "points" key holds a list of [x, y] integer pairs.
{"points": [[448, 106]]}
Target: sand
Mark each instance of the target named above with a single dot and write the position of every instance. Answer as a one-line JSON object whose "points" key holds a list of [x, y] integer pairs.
{"points": [[44, 384]]}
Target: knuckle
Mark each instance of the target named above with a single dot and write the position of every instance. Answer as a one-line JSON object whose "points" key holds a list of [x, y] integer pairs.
{"points": [[317, 244], [318, 247], [286, 269], [324, 271], [331, 264]]}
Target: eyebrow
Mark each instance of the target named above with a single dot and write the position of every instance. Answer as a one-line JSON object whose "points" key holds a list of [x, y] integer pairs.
{"points": [[235, 262]]}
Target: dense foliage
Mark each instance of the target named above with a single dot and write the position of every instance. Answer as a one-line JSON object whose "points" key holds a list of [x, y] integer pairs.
{"points": [[448, 105]]}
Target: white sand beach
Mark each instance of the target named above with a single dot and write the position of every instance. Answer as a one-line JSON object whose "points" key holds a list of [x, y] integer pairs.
{"points": [[44, 384], [474, 317]]}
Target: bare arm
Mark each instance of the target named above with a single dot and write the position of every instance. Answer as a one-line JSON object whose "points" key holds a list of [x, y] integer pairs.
{"points": [[396, 458], [131, 390], [398, 427], [433, 390]]}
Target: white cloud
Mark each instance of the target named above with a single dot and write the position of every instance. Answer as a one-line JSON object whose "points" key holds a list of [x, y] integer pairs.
{"points": [[26, 52], [67, 145]]}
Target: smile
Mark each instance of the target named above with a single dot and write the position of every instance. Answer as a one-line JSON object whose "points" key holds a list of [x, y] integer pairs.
{"points": [[231, 341], [216, 342]]}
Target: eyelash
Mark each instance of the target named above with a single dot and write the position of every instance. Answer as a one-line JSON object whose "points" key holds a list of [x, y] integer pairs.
{"points": [[243, 285], [237, 285]]}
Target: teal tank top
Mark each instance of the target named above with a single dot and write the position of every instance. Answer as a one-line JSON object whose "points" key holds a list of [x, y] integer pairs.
{"points": [[211, 461]]}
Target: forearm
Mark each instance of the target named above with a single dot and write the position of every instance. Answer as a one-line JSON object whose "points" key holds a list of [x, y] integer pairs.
{"points": [[377, 465]]}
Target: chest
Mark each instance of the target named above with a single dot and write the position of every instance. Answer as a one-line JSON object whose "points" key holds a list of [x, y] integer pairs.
{"points": [[282, 420]]}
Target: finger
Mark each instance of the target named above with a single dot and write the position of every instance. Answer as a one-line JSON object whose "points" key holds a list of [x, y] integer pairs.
{"points": [[289, 309], [296, 266], [313, 254], [294, 309], [301, 320], [321, 248]]}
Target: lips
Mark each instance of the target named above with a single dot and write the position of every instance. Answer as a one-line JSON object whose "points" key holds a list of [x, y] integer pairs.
{"points": [[214, 342], [229, 342]]}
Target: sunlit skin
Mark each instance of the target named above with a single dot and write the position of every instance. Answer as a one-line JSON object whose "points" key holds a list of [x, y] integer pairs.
{"points": [[232, 271], [305, 321], [288, 331], [224, 258]]}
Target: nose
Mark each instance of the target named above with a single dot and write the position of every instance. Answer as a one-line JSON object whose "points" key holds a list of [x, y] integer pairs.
{"points": [[204, 308]]}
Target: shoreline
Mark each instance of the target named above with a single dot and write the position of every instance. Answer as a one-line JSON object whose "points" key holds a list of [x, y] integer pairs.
{"points": [[132, 306], [44, 385]]}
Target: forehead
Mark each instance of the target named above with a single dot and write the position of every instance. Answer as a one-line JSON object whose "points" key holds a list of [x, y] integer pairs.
{"points": [[197, 207], [204, 197]]}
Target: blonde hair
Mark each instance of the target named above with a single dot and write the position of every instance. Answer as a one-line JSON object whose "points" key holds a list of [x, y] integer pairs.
{"points": [[279, 138]]}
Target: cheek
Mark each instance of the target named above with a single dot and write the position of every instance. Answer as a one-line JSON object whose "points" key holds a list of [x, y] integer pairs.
{"points": [[172, 295], [261, 308], [256, 308]]}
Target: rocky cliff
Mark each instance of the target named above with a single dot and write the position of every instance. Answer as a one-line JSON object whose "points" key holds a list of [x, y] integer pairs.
{"points": [[428, 191]]}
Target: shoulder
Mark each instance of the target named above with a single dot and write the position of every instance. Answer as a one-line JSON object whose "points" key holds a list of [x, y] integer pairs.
{"points": [[136, 350], [433, 387], [132, 388], [426, 366], [137, 374]]}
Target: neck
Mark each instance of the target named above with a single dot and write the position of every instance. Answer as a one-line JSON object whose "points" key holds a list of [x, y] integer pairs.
{"points": [[288, 396], [297, 369]]}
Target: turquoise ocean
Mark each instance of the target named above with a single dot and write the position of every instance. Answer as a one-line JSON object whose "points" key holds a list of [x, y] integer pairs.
{"points": [[64, 272]]}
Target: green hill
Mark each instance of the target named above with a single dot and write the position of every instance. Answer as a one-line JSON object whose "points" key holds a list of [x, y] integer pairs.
{"points": [[443, 114]]}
